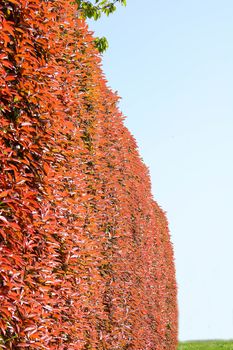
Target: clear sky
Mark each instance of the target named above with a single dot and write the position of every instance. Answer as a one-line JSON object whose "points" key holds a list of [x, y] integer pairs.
{"points": [[171, 61]]}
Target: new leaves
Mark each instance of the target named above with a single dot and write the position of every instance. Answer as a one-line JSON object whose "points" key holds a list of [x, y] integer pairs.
{"points": [[85, 255]]}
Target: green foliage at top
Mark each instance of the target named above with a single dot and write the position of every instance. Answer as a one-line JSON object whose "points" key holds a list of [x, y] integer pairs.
{"points": [[206, 345], [94, 9]]}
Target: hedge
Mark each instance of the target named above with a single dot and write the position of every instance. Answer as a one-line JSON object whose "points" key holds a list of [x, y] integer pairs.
{"points": [[86, 260]]}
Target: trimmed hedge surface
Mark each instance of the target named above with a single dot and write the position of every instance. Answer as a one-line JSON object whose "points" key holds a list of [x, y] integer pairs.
{"points": [[86, 260]]}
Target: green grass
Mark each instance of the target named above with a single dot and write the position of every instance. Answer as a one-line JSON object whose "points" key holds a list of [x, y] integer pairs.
{"points": [[206, 345]]}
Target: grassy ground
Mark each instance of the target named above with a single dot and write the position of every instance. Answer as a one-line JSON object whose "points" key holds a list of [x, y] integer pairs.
{"points": [[206, 345]]}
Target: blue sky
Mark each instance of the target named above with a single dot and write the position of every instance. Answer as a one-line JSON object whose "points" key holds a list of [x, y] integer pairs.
{"points": [[171, 61]]}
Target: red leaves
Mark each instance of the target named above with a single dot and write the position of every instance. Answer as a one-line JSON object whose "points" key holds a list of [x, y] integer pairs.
{"points": [[15, 2], [86, 259]]}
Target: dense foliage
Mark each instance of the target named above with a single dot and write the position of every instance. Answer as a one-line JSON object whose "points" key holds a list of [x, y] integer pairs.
{"points": [[85, 254]]}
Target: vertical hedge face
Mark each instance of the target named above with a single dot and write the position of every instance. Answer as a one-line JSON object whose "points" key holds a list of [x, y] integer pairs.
{"points": [[85, 254]]}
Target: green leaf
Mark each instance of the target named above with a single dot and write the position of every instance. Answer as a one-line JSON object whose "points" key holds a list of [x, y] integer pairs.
{"points": [[94, 9], [101, 44]]}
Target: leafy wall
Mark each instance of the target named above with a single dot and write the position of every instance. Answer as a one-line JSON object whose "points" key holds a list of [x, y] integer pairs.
{"points": [[85, 255]]}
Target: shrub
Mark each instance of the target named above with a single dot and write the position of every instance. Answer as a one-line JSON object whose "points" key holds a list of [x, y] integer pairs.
{"points": [[86, 260]]}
